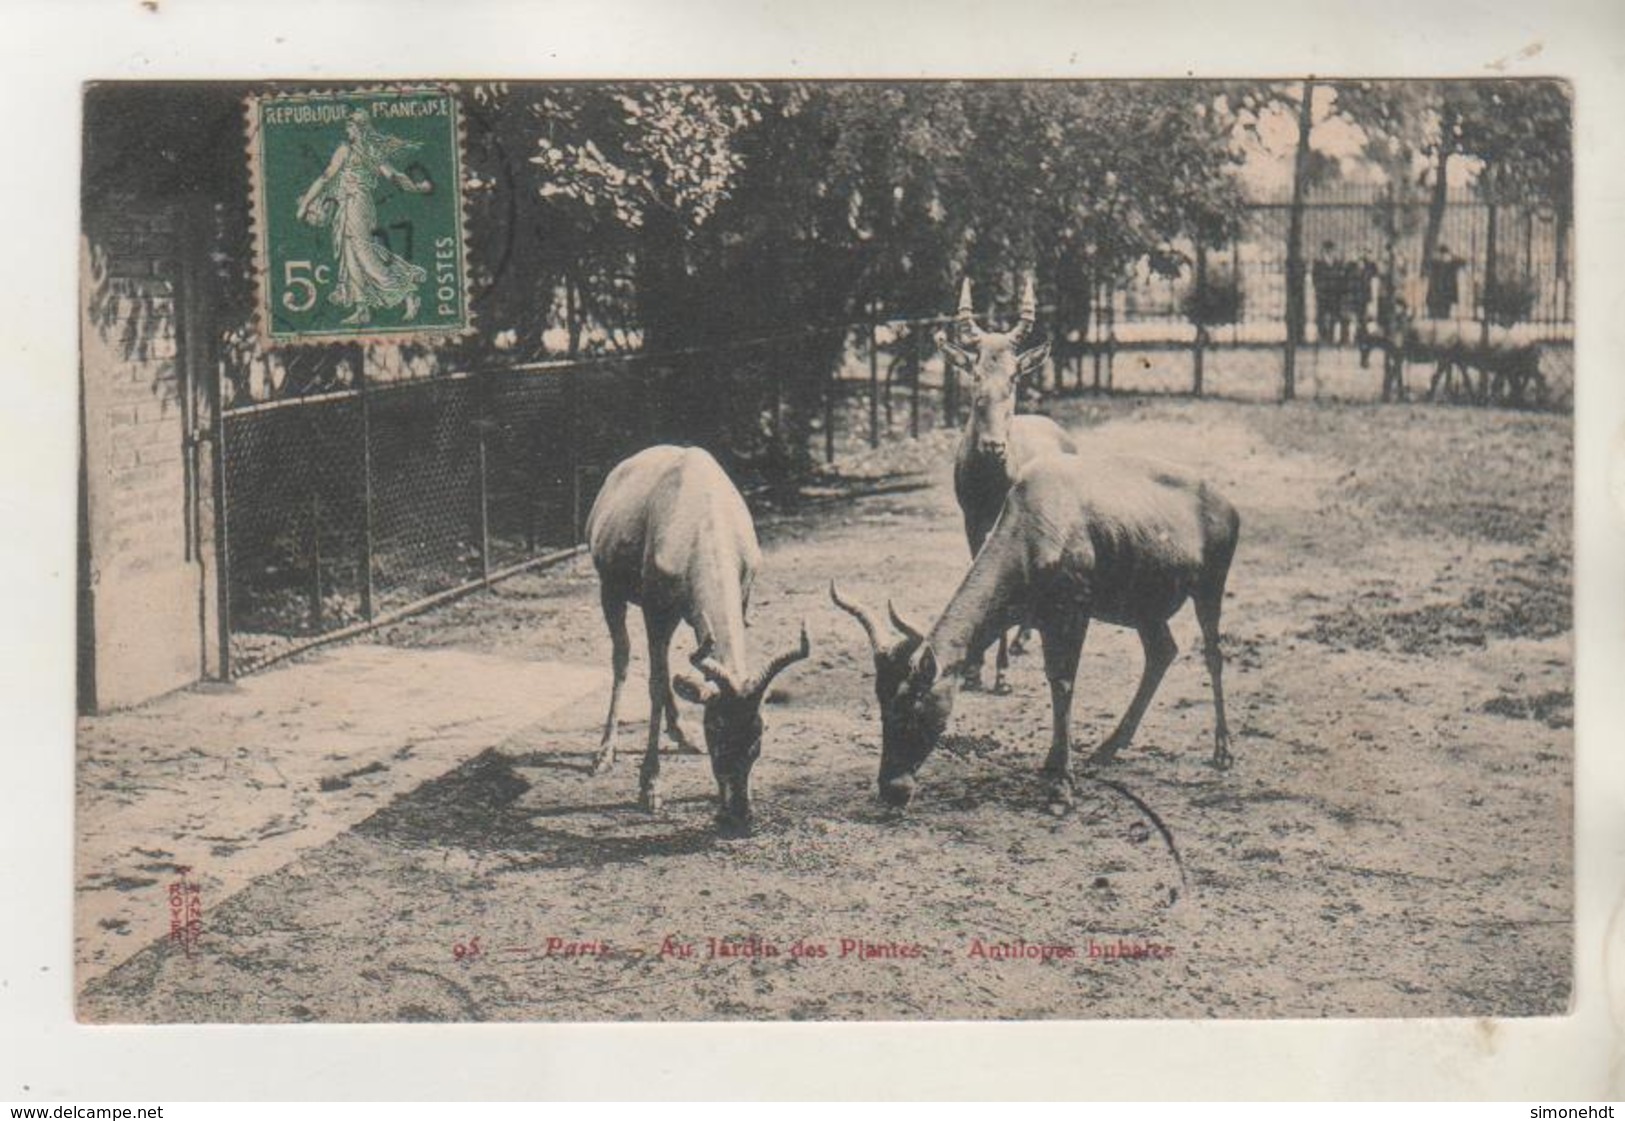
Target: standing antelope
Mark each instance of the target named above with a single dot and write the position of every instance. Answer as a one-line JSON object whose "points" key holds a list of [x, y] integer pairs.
{"points": [[1122, 540], [670, 533], [997, 443]]}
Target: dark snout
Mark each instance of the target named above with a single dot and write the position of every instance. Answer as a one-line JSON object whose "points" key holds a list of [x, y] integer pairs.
{"points": [[897, 790], [733, 812]]}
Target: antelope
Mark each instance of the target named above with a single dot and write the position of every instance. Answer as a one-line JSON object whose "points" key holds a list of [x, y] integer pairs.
{"points": [[1126, 541], [670, 533], [996, 443]]}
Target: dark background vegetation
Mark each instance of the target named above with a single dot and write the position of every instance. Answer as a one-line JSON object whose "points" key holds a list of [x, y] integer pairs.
{"points": [[677, 218]]}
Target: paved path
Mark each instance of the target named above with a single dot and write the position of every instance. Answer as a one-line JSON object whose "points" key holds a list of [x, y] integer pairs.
{"points": [[234, 781]]}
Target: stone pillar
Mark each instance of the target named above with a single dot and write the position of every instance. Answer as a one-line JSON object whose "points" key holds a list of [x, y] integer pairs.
{"points": [[143, 575]]}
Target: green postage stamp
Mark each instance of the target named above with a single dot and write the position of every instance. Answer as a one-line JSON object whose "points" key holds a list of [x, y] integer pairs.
{"points": [[358, 215]]}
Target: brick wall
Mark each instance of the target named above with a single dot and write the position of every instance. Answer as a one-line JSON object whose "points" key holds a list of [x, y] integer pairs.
{"points": [[145, 583]]}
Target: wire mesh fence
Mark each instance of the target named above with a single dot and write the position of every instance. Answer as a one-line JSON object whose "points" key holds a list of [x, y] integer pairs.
{"points": [[348, 507]]}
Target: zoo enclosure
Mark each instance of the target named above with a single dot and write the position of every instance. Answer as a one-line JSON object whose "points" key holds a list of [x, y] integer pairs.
{"points": [[1515, 271], [361, 484]]}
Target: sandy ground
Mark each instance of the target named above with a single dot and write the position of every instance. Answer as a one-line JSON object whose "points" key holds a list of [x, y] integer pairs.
{"points": [[1395, 839]]}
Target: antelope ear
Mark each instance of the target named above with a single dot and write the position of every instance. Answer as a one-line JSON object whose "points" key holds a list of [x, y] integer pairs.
{"points": [[696, 692], [1030, 362]]}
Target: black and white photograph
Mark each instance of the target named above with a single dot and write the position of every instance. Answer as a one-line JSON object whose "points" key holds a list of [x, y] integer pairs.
{"points": [[891, 550]]}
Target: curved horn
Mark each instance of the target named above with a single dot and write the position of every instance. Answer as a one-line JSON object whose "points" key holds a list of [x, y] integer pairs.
{"points": [[965, 318], [714, 671], [903, 625], [871, 624], [761, 681], [1029, 313]]}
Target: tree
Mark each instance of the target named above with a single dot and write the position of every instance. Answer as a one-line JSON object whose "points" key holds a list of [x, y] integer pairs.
{"points": [[773, 210]]}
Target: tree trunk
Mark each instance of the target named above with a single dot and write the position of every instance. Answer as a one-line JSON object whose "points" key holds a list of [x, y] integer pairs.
{"points": [[1295, 302], [1201, 319], [1491, 238], [1436, 205]]}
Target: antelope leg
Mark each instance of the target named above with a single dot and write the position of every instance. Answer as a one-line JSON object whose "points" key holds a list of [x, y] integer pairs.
{"points": [[1160, 649], [1207, 614], [1062, 639], [660, 630], [615, 616]]}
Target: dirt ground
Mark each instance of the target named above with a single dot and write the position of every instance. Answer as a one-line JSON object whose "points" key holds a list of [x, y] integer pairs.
{"points": [[1395, 839]]}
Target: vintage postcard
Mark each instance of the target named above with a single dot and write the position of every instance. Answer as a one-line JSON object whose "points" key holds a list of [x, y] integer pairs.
{"points": [[780, 551]]}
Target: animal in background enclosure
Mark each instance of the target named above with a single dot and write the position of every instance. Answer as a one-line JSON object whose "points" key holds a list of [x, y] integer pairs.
{"points": [[996, 443], [1483, 363], [1508, 369], [670, 533], [1126, 541]]}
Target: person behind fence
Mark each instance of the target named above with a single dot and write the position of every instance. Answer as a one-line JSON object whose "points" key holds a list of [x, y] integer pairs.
{"points": [[1327, 275], [1443, 283], [1364, 295], [370, 275]]}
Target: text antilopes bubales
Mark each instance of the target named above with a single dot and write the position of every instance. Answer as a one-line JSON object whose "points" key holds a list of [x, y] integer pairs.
{"points": [[1124, 541], [670, 533], [996, 443]]}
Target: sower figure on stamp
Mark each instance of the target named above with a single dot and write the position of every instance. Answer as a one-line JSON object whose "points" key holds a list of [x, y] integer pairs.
{"points": [[370, 275]]}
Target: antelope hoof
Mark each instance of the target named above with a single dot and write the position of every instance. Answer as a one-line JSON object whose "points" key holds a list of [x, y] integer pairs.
{"points": [[1059, 795], [1001, 687], [973, 679], [684, 745], [605, 760], [1019, 646], [649, 800], [1222, 759], [1103, 756]]}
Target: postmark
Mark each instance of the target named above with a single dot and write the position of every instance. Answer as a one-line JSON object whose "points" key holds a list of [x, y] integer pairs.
{"points": [[358, 215]]}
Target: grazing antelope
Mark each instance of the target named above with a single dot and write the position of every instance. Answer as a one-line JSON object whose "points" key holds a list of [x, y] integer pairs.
{"points": [[670, 533], [996, 443], [1126, 541]]}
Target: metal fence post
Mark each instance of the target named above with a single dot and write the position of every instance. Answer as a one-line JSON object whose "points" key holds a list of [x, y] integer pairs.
{"points": [[829, 415], [1111, 334], [874, 379], [1099, 325], [572, 392], [222, 531], [1295, 306], [778, 411], [485, 512], [917, 357], [315, 559], [1200, 317], [366, 486]]}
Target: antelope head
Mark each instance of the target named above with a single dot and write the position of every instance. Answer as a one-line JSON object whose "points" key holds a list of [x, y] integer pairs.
{"points": [[733, 723], [913, 711], [995, 364]]}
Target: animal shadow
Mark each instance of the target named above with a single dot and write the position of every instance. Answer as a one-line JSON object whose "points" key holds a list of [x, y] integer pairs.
{"points": [[481, 806]]}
